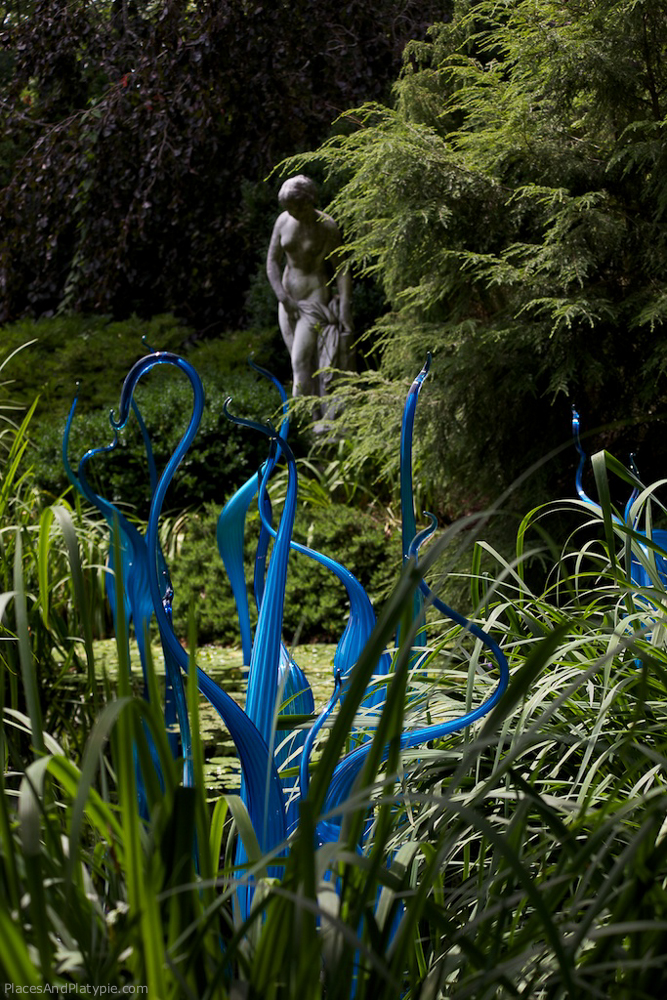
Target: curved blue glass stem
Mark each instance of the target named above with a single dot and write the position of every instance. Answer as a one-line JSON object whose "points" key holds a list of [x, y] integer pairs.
{"points": [[265, 474], [109, 512], [578, 479], [409, 527], [230, 534], [361, 620], [408, 519], [283, 431], [265, 536], [304, 778], [160, 596], [231, 530], [271, 666], [64, 445], [635, 492], [265, 660], [134, 561], [259, 772], [465, 623], [150, 458], [138, 607], [261, 555], [133, 568], [348, 769]]}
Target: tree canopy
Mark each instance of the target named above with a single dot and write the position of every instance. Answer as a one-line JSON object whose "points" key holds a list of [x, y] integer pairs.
{"points": [[137, 137], [512, 203]]}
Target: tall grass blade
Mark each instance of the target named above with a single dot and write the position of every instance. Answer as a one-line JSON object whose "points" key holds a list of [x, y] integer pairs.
{"points": [[45, 522], [15, 958], [30, 811], [28, 671], [66, 523]]}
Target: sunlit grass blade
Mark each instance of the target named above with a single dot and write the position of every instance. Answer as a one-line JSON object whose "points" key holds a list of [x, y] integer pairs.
{"points": [[28, 673], [64, 518]]}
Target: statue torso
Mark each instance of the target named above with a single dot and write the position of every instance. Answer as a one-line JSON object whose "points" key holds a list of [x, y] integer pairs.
{"points": [[306, 246]]}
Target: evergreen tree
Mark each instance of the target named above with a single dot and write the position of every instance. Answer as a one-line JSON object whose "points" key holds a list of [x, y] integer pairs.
{"points": [[512, 204]]}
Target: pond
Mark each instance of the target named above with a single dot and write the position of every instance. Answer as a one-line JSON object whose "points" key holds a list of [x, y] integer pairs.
{"points": [[441, 692], [225, 666]]}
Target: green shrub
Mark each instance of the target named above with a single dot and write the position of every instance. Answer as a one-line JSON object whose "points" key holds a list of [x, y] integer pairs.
{"points": [[98, 354], [221, 457], [316, 605], [90, 350]]}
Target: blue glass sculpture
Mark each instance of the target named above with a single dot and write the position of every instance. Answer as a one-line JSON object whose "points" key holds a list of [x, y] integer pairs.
{"points": [[647, 550], [648, 560], [271, 797]]}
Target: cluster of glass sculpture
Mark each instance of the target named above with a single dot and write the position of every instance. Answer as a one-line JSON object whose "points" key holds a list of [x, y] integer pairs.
{"points": [[274, 678]]}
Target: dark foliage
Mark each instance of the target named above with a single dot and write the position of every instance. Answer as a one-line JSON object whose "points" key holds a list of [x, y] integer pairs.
{"points": [[137, 136]]}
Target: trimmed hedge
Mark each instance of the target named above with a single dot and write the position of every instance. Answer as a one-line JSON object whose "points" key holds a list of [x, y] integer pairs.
{"points": [[98, 354], [315, 602], [220, 458]]}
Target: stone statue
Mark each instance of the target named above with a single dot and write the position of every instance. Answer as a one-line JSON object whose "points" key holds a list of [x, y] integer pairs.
{"points": [[316, 324]]}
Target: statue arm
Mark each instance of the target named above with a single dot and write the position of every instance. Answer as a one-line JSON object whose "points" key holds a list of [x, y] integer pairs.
{"points": [[344, 284], [346, 349], [274, 269], [343, 280], [344, 289], [342, 273]]}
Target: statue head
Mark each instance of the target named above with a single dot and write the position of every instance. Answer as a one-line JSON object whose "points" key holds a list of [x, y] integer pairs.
{"points": [[299, 188]]}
